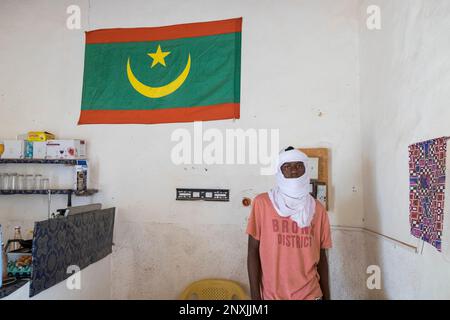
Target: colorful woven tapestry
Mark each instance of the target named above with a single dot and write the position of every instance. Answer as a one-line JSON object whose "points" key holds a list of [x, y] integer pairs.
{"points": [[180, 73], [427, 165]]}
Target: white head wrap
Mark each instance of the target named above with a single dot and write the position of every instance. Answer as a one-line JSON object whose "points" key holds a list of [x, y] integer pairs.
{"points": [[291, 197]]}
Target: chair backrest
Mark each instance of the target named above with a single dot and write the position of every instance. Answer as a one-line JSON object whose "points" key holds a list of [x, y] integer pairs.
{"points": [[214, 289]]}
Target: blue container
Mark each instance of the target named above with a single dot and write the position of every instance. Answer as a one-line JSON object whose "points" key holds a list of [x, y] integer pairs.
{"points": [[28, 150]]}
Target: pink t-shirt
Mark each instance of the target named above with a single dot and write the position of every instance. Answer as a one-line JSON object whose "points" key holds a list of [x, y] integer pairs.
{"points": [[289, 255]]}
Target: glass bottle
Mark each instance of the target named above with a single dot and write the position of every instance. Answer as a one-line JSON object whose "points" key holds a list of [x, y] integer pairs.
{"points": [[17, 236]]}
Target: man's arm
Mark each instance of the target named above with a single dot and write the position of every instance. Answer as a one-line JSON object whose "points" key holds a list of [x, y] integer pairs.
{"points": [[322, 268], [254, 268]]}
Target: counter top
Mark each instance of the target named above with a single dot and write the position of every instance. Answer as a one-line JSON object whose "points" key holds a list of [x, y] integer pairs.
{"points": [[7, 290]]}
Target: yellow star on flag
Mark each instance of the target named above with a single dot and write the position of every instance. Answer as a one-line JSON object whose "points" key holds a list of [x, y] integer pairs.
{"points": [[158, 56]]}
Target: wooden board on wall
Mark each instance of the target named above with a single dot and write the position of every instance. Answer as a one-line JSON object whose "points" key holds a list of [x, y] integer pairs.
{"points": [[322, 154]]}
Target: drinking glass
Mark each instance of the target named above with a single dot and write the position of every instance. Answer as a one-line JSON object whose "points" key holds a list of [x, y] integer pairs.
{"points": [[13, 181], [30, 181], [21, 182], [2, 180], [37, 181], [45, 184], [5, 181]]}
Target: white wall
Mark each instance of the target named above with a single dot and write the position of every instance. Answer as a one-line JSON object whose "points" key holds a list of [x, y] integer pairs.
{"points": [[405, 90], [299, 74]]}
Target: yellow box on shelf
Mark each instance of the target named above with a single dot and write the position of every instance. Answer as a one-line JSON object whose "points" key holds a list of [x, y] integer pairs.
{"points": [[40, 136]]}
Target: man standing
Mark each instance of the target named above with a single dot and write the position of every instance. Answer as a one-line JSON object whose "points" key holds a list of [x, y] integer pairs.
{"points": [[288, 234]]}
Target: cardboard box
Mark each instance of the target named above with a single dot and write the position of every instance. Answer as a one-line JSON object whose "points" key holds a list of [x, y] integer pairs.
{"points": [[23, 136], [66, 149], [39, 150], [40, 136], [35, 149], [14, 149]]}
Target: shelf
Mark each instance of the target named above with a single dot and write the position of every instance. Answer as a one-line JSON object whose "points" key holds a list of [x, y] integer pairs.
{"points": [[68, 192], [71, 162], [88, 192]]}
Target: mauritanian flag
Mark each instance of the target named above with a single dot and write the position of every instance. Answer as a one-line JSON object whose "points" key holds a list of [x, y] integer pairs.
{"points": [[179, 73]]}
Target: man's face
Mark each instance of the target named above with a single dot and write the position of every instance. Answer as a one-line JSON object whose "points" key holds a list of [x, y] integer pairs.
{"points": [[292, 170]]}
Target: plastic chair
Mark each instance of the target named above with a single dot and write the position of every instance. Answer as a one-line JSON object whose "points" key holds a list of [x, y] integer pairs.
{"points": [[214, 289]]}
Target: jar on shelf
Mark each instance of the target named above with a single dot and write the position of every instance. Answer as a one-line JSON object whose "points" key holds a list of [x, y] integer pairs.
{"points": [[30, 181], [4, 181], [45, 184], [20, 182], [37, 181], [12, 181]]}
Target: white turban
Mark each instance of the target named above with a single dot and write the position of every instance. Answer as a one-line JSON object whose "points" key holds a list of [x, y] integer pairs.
{"points": [[291, 197]]}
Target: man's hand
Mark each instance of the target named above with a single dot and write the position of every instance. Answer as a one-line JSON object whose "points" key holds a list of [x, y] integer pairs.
{"points": [[322, 268], [254, 268]]}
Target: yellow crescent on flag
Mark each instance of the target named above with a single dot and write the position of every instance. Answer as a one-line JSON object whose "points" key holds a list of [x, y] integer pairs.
{"points": [[158, 92]]}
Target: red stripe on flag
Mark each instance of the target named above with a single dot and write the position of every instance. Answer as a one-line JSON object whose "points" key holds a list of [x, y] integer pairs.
{"points": [[187, 30], [205, 113]]}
